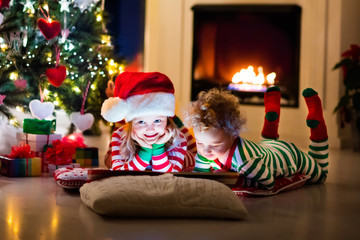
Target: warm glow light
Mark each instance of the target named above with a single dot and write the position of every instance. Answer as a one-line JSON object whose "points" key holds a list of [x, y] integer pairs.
{"points": [[98, 17], [270, 78], [46, 7], [3, 46], [106, 39], [76, 89], [114, 67], [248, 80], [14, 75], [72, 137], [260, 78], [19, 109], [46, 92], [54, 223]]}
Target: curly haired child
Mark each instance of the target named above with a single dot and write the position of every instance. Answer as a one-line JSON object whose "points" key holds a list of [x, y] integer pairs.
{"points": [[217, 121], [149, 138]]}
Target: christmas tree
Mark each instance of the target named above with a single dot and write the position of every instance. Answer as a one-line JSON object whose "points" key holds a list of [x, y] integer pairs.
{"points": [[55, 51]]}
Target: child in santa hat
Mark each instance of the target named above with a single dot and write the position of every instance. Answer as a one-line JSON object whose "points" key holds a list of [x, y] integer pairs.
{"points": [[216, 120], [152, 137]]}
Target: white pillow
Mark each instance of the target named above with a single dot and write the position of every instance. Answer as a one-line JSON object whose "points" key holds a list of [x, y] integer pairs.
{"points": [[162, 196]]}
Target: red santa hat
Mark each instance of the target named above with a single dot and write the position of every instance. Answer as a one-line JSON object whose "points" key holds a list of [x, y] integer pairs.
{"points": [[139, 94]]}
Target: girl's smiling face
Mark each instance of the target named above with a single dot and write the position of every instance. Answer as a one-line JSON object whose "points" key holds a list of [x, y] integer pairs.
{"points": [[150, 128], [213, 143]]}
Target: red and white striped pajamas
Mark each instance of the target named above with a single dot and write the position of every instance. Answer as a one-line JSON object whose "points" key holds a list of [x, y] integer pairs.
{"points": [[169, 160]]}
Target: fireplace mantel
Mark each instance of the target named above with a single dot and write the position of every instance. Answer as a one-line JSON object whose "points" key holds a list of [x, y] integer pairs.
{"points": [[325, 33]]}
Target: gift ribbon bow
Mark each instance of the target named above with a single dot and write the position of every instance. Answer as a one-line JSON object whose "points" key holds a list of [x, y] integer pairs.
{"points": [[60, 152], [22, 151]]}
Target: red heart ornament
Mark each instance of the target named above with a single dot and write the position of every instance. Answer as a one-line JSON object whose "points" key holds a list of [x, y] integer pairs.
{"points": [[49, 29], [4, 3], [56, 76]]}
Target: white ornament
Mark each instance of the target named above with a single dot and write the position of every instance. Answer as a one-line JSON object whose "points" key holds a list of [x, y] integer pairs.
{"points": [[64, 5], [28, 6], [82, 121], [25, 37], [84, 4], [41, 110], [1, 18], [64, 35]]}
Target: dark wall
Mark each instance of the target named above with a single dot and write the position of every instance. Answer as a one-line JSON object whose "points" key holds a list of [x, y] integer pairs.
{"points": [[127, 20]]}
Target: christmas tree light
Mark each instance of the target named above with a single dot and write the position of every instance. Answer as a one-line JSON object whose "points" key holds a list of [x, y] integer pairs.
{"points": [[28, 50]]}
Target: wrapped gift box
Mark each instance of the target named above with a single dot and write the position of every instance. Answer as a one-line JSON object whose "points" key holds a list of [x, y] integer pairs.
{"points": [[36, 126], [86, 156], [37, 141], [53, 167], [44, 161], [20, 167], [59, 153]]}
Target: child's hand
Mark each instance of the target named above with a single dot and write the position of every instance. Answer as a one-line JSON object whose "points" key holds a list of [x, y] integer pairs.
{"points": [[140, 141], [166, 137]]}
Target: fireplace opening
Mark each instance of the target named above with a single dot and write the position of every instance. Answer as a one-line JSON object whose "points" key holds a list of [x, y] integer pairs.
{"points": [[245, 49]]}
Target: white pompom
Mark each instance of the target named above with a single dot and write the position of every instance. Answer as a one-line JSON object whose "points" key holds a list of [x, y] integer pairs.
{"points": [[114, 109]]}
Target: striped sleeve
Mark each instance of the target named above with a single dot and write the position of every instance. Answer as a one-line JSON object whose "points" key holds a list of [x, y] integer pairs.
{"points": [[202, 164], [118, 162], [171, 160], [190, 140], [191, 143], [189, 162]]}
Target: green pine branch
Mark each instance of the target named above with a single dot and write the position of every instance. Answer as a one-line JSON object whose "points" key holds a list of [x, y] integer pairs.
{"points": [[83, 53]]}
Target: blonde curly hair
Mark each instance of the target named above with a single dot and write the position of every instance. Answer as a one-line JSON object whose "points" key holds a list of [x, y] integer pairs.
{"points": [[216, 108]]}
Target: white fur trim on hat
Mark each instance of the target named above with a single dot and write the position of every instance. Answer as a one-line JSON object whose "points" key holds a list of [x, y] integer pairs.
{"points": [[114, 109], [157, 103]]}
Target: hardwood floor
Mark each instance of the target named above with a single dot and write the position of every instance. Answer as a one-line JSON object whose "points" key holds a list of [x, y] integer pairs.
{"points": [[38, 208]]}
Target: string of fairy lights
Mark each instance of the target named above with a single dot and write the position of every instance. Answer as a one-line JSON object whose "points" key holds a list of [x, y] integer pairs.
{"points": [[95, 68]]}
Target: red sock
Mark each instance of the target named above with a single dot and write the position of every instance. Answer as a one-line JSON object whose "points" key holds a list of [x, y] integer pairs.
{"points": [[315, 119], [272, 113]]}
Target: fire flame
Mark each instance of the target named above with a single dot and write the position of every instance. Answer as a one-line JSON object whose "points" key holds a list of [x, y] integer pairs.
{"points": [[248, 76], [247, 80]]}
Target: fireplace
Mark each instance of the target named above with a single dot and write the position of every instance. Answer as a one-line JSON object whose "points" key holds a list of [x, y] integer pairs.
{"points": [[245, 49]]}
